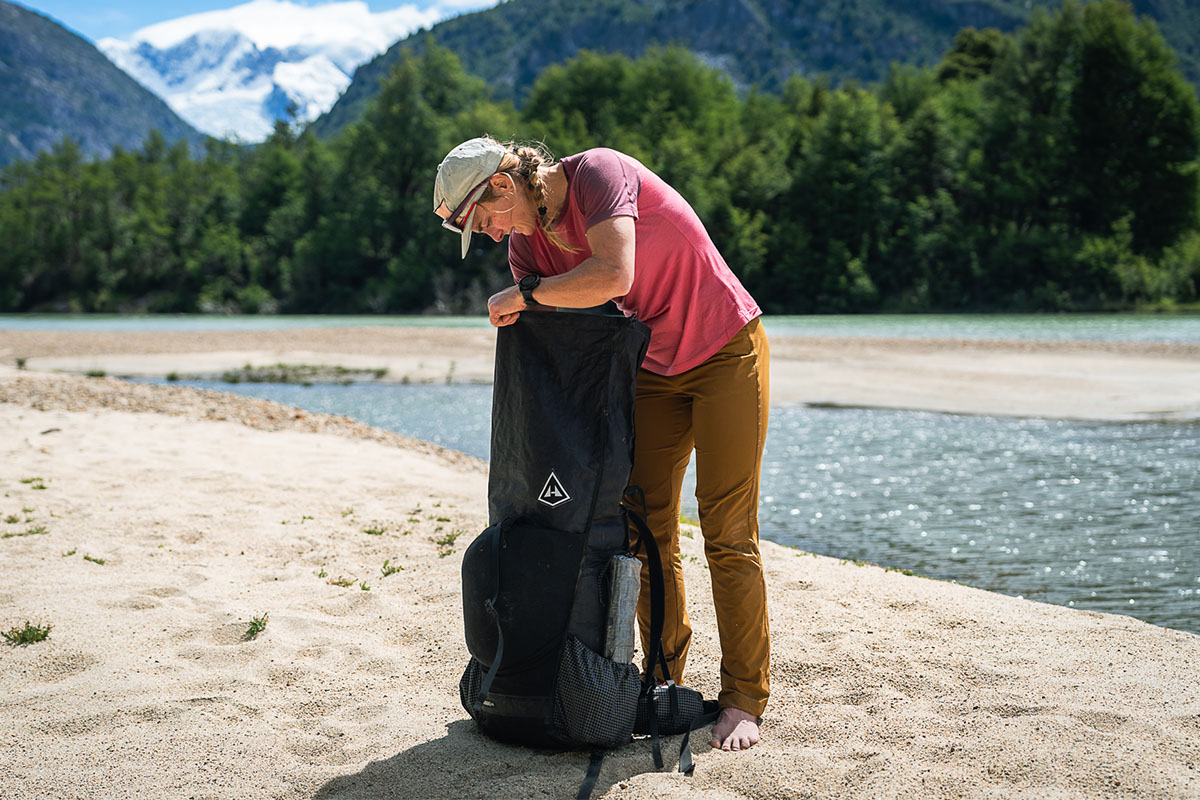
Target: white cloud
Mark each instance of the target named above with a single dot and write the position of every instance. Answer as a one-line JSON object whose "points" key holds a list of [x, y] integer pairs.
{"points": [[281, 24], [233, 70]]}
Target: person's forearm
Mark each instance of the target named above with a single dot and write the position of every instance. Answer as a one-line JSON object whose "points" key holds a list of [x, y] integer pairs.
{"points": [[592, 283]]}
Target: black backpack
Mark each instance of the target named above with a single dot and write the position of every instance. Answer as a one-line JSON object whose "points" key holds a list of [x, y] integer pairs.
{"points": [[536, 581]]}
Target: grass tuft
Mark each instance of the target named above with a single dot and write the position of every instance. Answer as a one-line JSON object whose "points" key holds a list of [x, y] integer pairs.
{"points": [[38, 531], [303, 374], [340, 581], [27, 635], [446, 543], [386, 570], [93, 560], [256, 626], [71, 552], [96, 373], [375, 530]]}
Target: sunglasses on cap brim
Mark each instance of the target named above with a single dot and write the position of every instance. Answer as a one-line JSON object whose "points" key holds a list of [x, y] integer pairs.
{"points": [[458, 219]]}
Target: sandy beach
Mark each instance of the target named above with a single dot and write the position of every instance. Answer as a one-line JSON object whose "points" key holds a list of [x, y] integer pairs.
{"points": [[208, 510], [1078, 380]]}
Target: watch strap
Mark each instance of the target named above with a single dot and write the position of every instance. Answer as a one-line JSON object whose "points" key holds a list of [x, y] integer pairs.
{"points": [[527, 285]]}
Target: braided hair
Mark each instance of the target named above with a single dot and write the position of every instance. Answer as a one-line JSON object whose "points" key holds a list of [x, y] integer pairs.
{"points": [[524, 161]]}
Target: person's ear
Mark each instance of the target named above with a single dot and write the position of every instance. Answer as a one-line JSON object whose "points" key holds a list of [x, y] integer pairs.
{"points": [[501, 183]]}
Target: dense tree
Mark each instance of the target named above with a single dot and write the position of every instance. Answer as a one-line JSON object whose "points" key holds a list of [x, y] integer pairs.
{"points": [[1055, 167]]}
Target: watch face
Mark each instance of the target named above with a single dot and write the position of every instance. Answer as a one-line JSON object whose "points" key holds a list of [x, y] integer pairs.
{"points": [[530, 281]]}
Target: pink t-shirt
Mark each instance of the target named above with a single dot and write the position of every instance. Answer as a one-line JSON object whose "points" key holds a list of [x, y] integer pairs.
{"points": [[682, 287]]}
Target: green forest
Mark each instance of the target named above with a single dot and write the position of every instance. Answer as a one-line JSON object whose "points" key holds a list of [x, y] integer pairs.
{"points": [[1054, 168]]}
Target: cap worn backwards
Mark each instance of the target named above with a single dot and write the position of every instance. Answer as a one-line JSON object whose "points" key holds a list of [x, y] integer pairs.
{"points": [[460, 182]]}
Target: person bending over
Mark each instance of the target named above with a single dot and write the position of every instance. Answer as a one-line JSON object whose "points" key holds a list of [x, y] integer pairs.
{"points": [[599, 226]]}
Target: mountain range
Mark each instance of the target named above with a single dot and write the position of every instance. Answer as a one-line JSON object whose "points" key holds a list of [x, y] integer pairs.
{"points": [[757, 42], [232, 73], [235, 72], [54, 83]]}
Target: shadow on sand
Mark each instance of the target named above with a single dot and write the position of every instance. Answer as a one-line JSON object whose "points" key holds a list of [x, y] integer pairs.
{"points": [[466, 764]]}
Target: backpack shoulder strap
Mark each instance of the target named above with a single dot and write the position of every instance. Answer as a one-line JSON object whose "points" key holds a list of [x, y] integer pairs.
{"points": [[655, 656]]}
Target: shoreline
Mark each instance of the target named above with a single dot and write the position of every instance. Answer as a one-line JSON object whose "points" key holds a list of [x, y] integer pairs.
{"points": [[1113, 381], [884, 685]]}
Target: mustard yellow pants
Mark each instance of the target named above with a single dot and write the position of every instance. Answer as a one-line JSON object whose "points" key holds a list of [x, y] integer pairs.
{"points": [[719, 409]]}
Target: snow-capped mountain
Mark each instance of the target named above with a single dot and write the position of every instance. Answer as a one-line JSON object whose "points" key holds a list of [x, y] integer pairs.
{"points": [[233, 73]]}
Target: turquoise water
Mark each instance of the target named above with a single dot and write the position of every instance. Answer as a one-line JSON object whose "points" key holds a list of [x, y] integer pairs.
{"points": [[1053, 327], [1059, 327], [1091, 515], [221, 322]]}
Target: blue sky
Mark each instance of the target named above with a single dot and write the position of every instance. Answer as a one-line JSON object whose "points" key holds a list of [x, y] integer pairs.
{"points": [[95, 19]]}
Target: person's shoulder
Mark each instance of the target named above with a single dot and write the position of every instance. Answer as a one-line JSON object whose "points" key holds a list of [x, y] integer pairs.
{"points": [[596, 156], [603, 164]]}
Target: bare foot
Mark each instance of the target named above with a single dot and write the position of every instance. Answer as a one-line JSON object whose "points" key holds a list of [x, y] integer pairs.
{"points": [[735, 730]]}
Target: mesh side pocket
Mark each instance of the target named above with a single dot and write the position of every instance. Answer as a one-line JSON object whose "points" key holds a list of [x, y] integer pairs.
{"points": [[596, 699], [688, 702], [468, 687]]}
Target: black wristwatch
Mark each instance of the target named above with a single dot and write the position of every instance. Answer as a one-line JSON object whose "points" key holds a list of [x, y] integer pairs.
{"points": [[527, 284]]}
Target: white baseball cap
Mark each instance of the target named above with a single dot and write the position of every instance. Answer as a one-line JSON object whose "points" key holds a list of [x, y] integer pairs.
{"points": [[461, 179]]}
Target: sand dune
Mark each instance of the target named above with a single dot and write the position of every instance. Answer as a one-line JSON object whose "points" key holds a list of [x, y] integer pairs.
{"points": [[210, 510]]}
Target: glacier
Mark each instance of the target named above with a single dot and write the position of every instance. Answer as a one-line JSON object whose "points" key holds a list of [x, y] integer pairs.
{"points": [[233, 73]]}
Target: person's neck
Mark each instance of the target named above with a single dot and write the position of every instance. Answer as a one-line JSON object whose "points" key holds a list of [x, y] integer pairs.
{"points": [[555, 180]]}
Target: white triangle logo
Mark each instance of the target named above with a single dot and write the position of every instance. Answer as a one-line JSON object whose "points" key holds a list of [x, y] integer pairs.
{"points": [[553, 494]]}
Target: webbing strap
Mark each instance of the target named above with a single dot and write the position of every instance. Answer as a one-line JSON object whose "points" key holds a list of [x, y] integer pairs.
{"points": [[486, 684], [593, 774], [657, 618], [656, 654], [658, 602], [711, 712]]}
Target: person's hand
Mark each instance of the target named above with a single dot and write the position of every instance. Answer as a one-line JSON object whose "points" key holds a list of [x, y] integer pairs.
{"points": [[505, 306]]}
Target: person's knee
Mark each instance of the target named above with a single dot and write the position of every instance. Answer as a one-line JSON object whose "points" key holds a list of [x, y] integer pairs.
{"points": [[731, 540]]}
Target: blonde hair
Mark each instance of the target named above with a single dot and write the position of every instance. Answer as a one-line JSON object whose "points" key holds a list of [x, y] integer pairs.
{"points": [[523, 161]]}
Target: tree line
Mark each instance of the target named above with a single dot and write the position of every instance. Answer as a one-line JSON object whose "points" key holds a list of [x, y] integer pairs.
{"points": [[1053, 168]]}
